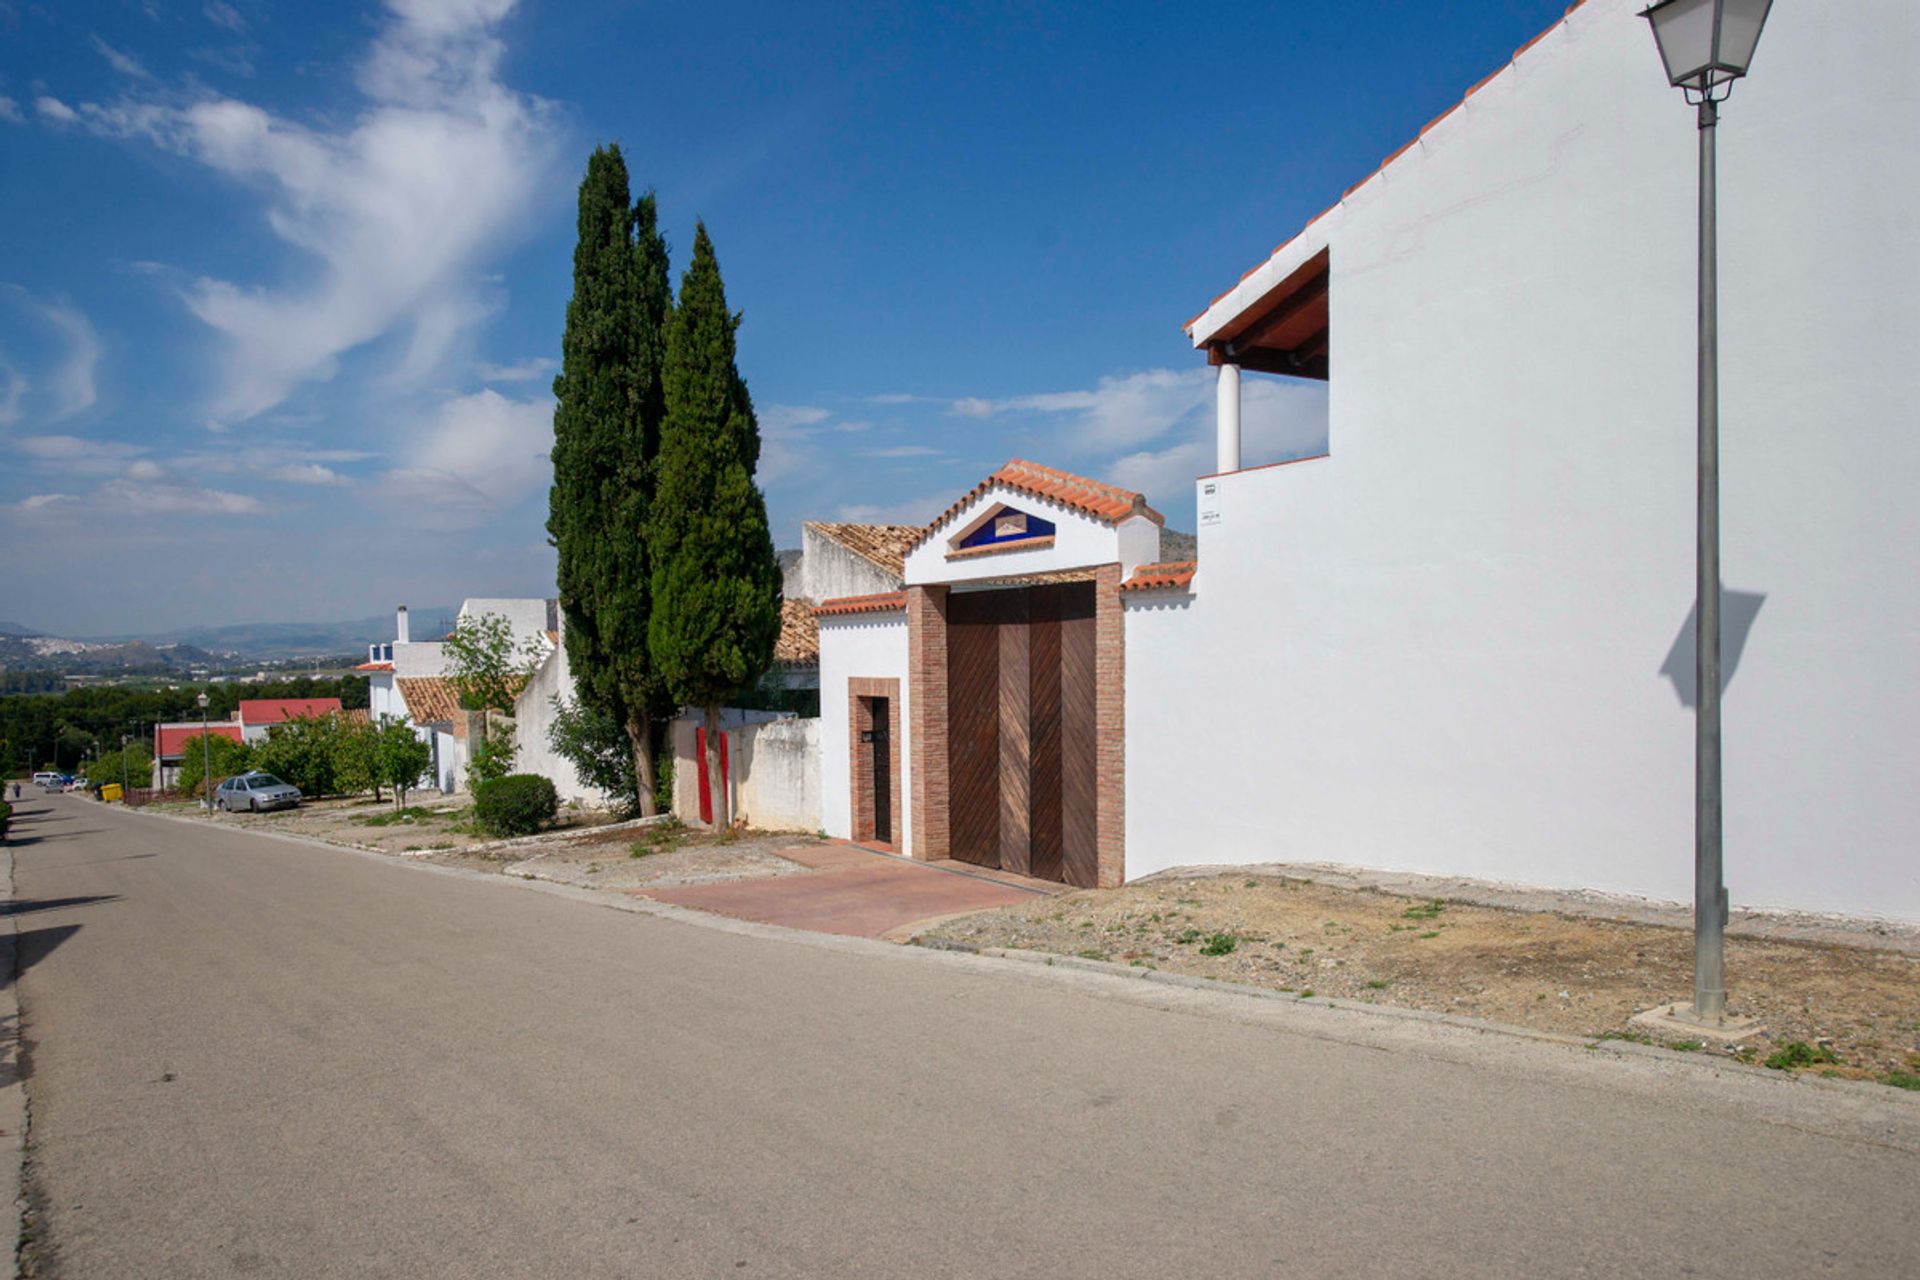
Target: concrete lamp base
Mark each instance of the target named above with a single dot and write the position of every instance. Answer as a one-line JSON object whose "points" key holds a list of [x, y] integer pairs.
{"points": [[1678, 1021]]}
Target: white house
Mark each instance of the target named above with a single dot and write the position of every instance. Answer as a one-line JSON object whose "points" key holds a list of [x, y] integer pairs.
{"points": [[1460, 642], [407, 678]]}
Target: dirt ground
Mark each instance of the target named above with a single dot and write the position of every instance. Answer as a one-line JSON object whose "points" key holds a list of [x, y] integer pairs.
{"points": [[428, 822], [640, 858], [1564, 973]]}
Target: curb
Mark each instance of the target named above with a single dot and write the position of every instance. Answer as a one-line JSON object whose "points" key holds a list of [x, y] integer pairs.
{"points": [[13, 1086]]}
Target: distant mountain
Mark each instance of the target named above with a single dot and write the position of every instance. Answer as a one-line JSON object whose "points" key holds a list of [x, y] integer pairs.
{"points": [[1175, 545], [166, 652]]}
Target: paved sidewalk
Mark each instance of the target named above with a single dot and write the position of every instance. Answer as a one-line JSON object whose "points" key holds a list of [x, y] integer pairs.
{"points": [[853, 891]]}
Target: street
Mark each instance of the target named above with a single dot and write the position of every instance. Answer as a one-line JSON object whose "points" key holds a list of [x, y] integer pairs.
{"points": [[248, 1056]]}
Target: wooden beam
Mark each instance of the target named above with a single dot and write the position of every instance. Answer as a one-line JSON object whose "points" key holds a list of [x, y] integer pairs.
{"points": [[1262, 333]]}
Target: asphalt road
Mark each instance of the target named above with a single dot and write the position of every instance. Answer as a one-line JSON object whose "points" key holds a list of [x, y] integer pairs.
{"points": [[253, 1057]]}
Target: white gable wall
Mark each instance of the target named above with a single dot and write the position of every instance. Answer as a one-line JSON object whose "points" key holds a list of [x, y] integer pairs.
{"points": [[1441, 648], [1079, 540]]}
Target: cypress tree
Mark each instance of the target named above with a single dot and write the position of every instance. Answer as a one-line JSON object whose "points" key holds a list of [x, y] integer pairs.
{"points": [[716, 585], [606, 434]]}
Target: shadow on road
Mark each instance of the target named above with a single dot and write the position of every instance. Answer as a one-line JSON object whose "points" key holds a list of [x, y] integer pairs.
{"points": [[30, 947], [26, 906]]}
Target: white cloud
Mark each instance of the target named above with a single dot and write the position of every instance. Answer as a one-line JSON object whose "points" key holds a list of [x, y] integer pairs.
{"points": [[483, 453], [71, 455], [308, 473], [71, 384], [902, 451], [10, 111], [55, 110], [69, 387], [16, 388], [1279, 419], [1120, 412], [399, 208], [225, 15], [788, 419], [43, 501], [529, 370], [153, 494], [125, 63]]}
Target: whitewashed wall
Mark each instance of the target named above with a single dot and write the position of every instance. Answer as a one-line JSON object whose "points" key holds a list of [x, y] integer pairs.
{"points": [[872, 645], [775, 774], [682, 739], [533, 721], [1445, 647], [828, 569]]}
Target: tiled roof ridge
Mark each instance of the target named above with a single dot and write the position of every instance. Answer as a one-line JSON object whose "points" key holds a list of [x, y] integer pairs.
{"points": [[1382, 166], [1108, 502], [798, 643], [1166, 575], [878, 602]]}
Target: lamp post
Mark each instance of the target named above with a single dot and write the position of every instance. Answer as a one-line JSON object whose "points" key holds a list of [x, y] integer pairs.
{"points": [[1707, 45], [206, 749]]}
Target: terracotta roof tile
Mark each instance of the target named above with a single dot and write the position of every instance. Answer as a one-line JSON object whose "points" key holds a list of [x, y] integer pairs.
{"points": [[258, 711], [374, 666], [1160, 577], [884, 546], [799, 642], [430, 699], [170, 739], [1103, 501], [883, 602]]}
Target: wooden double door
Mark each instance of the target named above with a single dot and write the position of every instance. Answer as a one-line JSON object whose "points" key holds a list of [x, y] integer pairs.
{"points": [[1020, 715]]}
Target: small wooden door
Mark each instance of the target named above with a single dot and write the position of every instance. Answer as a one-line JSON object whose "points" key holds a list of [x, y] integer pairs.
{"points": [[880, 736]]}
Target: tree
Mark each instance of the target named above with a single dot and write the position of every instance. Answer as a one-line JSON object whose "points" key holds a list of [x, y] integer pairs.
{"points": [[716, 584], [400, 758], [228, 758], [356, 759], [488, 671], [606, 428], [302, 752], [597, 747]]}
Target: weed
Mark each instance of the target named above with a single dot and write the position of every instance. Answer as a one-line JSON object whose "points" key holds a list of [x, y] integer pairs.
{"points": [[1220, 944], [1902, 1079], [1188, 938], [1634, 1037], [1431, 933], [1251, 884], [1307, 994], [642, 849], [409, 815], [1424, 910], [1399, 928], [1686, 1046], [1378, 984], [1091, 954], [1798, 1053], [1279, 946], [1154, 918]]}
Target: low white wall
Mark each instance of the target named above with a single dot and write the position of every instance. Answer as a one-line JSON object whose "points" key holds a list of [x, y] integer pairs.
{"points": [[776, 774], [735, 722], [870, 645]]}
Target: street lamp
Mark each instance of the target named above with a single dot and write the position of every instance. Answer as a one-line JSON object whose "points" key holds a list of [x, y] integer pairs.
{"points": [[1707, 45], [206, 749]]}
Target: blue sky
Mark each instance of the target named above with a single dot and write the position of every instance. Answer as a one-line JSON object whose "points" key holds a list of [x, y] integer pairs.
{"points": [[282, 286]]}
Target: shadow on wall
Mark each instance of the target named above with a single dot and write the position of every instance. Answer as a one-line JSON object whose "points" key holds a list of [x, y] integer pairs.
{"points": [[1738, 609]]}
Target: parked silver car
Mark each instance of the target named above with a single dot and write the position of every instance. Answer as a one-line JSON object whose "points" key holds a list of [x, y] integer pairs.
{"points": [[256, 793]]}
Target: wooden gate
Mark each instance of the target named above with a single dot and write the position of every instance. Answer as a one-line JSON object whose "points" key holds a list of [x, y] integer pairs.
{"points": [[1020, 715]]}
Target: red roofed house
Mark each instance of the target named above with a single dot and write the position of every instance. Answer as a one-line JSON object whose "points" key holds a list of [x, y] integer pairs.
{"points": [[170, 742], [978, 714]]}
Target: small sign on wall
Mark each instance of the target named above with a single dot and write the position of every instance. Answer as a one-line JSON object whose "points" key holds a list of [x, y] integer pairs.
{"points": [[1211, 507]]}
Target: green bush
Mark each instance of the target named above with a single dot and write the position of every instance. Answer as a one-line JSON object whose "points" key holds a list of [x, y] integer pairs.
{"points": [[6, 815], [228, 757], [516, 805]]}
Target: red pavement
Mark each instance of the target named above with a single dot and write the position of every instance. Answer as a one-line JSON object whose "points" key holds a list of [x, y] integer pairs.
{"points": [[852, 891]]}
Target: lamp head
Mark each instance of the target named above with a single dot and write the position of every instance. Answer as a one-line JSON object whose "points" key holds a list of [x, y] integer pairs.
{"points": [[202, 700], [1707, 44]]}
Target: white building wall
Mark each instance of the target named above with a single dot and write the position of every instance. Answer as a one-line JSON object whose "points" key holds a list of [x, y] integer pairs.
{"points": [[527, 617], [532, 722], [775, 774], [871, 645], [420, 658], [828, 569], [1442, 648]]}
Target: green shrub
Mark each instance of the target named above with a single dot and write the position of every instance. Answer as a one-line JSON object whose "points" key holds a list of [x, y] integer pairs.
{"points": [[1220, 944], [6, 815], [1798, 1053], [516, 805]]}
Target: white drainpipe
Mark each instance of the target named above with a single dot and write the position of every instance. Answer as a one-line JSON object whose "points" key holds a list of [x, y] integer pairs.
{"points": [[1227, 419]]}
